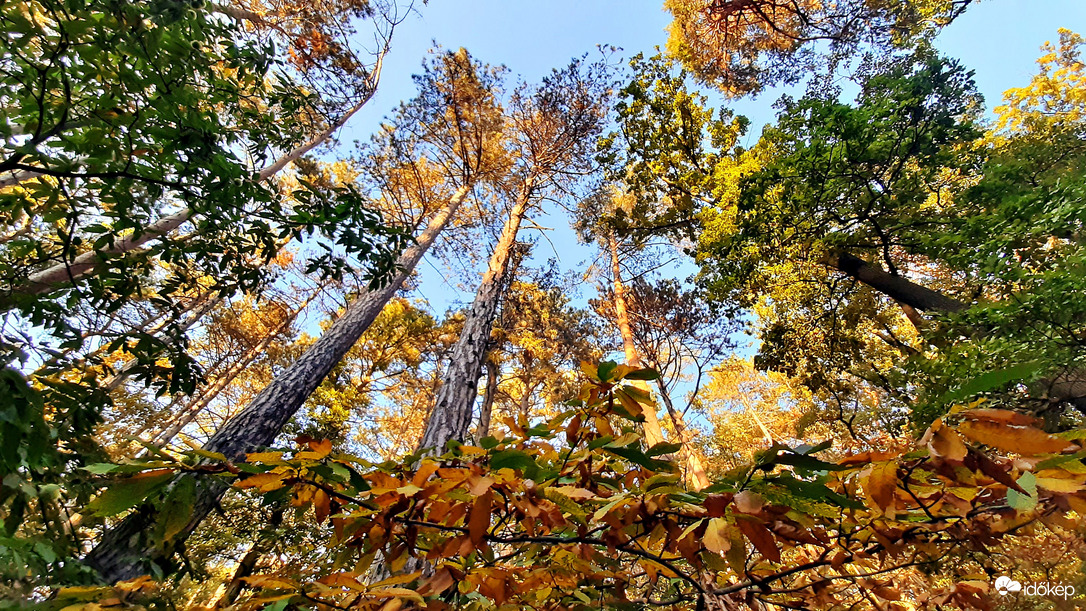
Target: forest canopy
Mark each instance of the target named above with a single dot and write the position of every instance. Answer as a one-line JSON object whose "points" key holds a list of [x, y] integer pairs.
{"points": [[831, 362]]}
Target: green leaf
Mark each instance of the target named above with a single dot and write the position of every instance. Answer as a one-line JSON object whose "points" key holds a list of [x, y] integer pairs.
{"points": [[636, 456], [643, 374], [1024, 502], [512, 459], [127, 493], [663, 448], [990, 380]]}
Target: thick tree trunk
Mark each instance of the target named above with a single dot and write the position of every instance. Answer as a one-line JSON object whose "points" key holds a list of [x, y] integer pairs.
{"points": [[124, 551], [451, 417], [653, 433], [895, 287]]}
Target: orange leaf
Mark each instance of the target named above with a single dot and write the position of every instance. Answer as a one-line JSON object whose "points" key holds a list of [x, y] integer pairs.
{"points": [[759, 536], [1023, 440], [880, 485], [1002, 416], [945, 443]]}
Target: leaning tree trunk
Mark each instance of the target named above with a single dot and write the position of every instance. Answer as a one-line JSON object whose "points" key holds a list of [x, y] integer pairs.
{"points": [[653, 433], [124, 551], [193, 409], [89, 263], [696, 476], [455, 399], [1068, 386]]}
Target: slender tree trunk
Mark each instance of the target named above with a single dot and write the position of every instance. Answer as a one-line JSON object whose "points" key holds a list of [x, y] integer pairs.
{"points": [[124, 551], [696, 476], [87, 263], [653, 433], [453, 405], [193, 409], [487, 409], [248, 564]]}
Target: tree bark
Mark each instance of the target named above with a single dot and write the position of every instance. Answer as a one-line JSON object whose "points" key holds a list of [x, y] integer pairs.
{"points": [[696, 477], [451, 417], [487, 409], [895, 287], [653, 433], [124, 551]]}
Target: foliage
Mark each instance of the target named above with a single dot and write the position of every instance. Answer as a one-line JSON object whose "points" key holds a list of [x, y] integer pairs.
{"points": [[742, 46], [573, 512]]}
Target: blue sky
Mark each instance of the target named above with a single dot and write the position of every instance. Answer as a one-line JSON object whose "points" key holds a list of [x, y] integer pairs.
{"points": [[999, 39]]}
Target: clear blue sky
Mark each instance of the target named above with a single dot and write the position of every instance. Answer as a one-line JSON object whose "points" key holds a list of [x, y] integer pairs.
{"points": [[999, 39]]}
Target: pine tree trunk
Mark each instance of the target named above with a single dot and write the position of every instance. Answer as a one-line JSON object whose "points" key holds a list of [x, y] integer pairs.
{"points": [[696, 477], [193, 409], [451, 417], [486, 411], [124, 551], [653, 433]]}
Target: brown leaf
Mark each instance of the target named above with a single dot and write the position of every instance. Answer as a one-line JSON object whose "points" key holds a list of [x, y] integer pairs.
{"points": [[1023, 440], [880, 485], [479, 520], [717, 504], [749, 502], [759, 536]]}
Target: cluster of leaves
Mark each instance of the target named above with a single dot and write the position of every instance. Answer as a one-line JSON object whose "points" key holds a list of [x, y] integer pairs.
{"points": [[574, 513], [742, 46]]}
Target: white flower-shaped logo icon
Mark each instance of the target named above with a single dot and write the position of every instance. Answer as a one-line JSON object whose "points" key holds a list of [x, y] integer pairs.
{"points": [[1005, 585]]}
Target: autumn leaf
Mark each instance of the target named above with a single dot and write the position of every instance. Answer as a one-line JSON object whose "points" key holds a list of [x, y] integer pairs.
{"points": [[760, 536], [1023, 440], [479, 518], [880, 485], [716, 536]]}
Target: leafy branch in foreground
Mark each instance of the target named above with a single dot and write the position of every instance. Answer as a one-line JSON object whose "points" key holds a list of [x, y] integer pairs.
{"points": [[576, 513]]}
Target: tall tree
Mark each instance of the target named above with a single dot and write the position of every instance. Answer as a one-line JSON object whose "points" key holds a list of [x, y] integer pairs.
{"points": [[550, 134], [743, 46], [456, 120]]}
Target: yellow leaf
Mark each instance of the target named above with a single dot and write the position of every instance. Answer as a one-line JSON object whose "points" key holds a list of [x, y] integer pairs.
{"points": [[265, 482], [264, 457], [1023, 440], [716, 536], [398, 593]]}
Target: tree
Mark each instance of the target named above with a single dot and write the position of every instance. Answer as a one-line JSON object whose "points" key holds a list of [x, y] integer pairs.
{"points": [[551, 131], [455, 115], [743, 46]]}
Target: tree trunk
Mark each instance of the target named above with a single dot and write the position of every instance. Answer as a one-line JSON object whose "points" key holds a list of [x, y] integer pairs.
{"points": [[451, 417], [124, 551], [895, 287], [486, 410], [653, 433], [696, 477]]}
